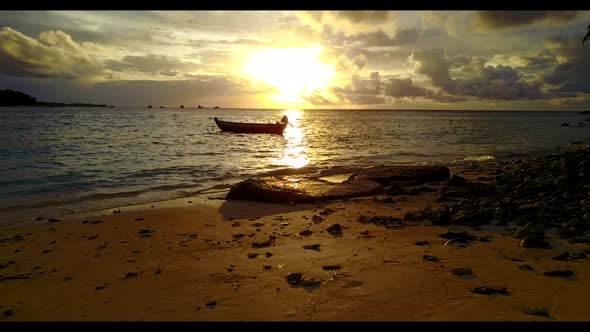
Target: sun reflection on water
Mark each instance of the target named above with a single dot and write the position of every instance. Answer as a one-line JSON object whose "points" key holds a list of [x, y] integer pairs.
{"points": [[295, 153]]}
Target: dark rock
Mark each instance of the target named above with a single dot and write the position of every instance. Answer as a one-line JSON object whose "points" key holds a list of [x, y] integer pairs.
{"points": [[312, 246], [532, 229], [562, 257], [131, 274], [565, 124], [464, 237], [52, 220], [430, 258], [331, 267], [15, 277], [264, 244], [461, 271], [484, 238], [306, 232], [335, 229], [67, 278], [422, 243], [310, 283], [211, 303], [577, 255], [489, 290], [530, 242], [536, 311], [39, 218], [101, 287], [405, 175], [46, 251], [138, 219], [252, 255], [457, 181], [158, 271], [268, 254], [144, 231], [237, 236], [386, 221], [525, 267], [9, 312], [294, 278], [388, 199], [317, 219], [559, 273], [267, 267]]}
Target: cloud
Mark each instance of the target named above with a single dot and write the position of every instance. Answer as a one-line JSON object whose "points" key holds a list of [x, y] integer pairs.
{"points": [[571, 74], [151, 64], [489, 82], [368, 39], [350, 22], [405, 88], [493, 20], [52, 54]]}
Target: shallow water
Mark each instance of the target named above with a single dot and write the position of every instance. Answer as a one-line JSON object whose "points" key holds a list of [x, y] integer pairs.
{"points": [[58, 160]]}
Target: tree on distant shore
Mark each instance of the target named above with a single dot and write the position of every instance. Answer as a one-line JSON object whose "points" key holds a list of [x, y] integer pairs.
{"points": [[16, 98]]}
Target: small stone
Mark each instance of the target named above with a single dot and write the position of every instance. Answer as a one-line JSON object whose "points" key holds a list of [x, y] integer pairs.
{"points": [[264, 244], [158, 271], [489, 290], [317, 219], [237, 236], [67, 278], [312, 246], [144, 231], [294, 278], [46, 251], [252, 255], [536, 311], [310, 283], [562, 257], [267, 267], [131, 274], [525, 267], [235, 224], [559, 273], [52, 220], [430, 258], [331, 267], [461, 271], [268, 254], [8, 312], [231, 218], [211, 303], [530, 242], [138, 219], [422, 243], [306, 232], [335, 229]]}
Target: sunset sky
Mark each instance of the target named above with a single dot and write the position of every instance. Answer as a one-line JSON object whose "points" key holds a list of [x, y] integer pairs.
{"points": [[288, 59]]}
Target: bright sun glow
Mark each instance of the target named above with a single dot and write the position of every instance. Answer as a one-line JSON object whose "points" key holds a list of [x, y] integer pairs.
{"points": [[295, 72]]}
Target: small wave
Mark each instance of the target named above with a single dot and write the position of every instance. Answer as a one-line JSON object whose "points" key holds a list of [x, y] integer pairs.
{"points": [[479, 158]]}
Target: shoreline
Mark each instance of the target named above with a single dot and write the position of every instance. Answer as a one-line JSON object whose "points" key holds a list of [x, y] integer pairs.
{"points": [[218, 260]]}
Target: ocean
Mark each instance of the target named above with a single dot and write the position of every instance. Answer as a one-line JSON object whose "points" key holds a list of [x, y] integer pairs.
{"points": [[62, 160]]}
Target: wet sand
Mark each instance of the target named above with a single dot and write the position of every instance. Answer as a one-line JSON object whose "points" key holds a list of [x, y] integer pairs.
{"points": [[196, 261]]}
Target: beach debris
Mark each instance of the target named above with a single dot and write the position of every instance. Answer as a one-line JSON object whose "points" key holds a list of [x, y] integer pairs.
{"points": [[268, 254], [306, 232], [331, 267], [335, 229], [488, 290], [536, 311], [52, 220], [559, 273], [422, 243], [312, 246], [131, 275], [526, 267], [430, 258], [317, 219], [252, 255], [461, 271]]}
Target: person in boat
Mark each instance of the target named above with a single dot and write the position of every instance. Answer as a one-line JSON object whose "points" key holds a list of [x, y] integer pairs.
{"points": [[284, 119]]}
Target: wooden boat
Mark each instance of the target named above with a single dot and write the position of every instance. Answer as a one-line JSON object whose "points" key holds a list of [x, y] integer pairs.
{"points": [[253, 128]]}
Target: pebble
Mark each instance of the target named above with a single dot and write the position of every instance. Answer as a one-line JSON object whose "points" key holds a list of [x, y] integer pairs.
{"points": [[536, 311], [430, 258], [489, 290], [312, 246], [461, 271]]}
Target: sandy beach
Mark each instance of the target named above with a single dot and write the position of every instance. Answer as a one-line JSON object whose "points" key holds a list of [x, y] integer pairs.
{"points": [[199, 259]]}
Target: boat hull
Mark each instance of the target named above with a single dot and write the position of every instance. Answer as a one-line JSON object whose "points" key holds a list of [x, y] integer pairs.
{"points": [[251, 128]]}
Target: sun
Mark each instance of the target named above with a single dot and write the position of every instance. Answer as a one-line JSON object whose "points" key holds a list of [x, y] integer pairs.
{"points": [[294, 72]]}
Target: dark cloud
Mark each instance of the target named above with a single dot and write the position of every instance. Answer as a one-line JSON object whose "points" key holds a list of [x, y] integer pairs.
{"points": [[405, 88], [151, 64], [493, 20], [52, 54], [572, 74], [317, 100], [496, 83], [368, 39]]}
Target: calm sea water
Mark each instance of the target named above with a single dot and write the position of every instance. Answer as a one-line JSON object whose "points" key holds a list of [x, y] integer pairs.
{"points": [[55, 161]]}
